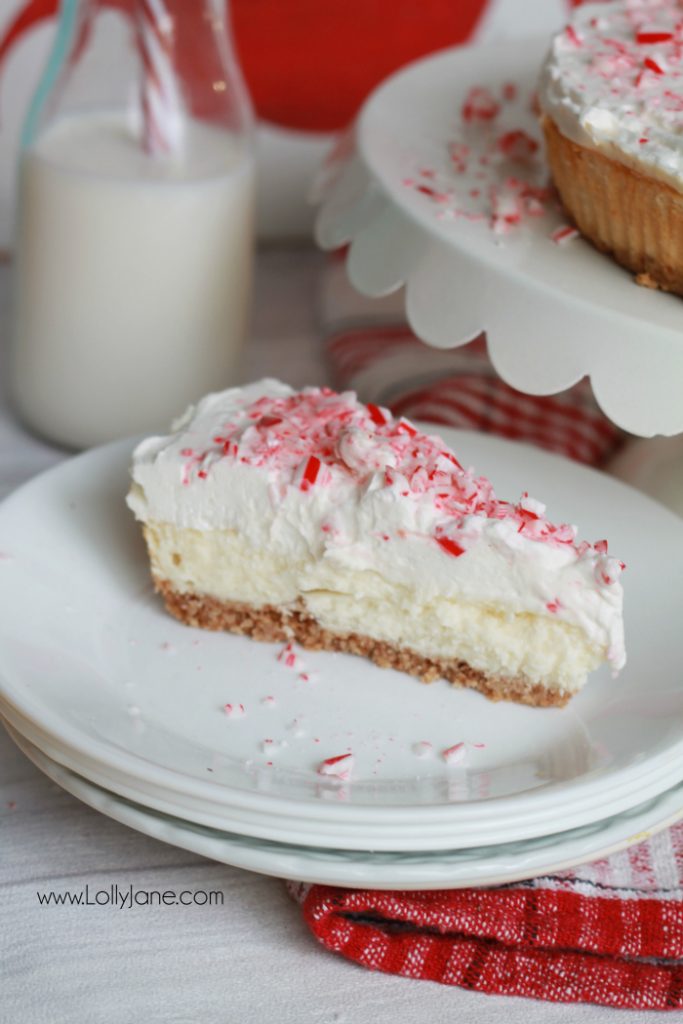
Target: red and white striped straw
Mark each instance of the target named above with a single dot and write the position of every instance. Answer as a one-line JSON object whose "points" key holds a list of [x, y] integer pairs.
{"points": [[160, 102]]}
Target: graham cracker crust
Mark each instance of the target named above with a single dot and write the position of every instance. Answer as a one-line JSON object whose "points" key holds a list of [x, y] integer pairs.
{"points": [[635, 218], [271, 624]]}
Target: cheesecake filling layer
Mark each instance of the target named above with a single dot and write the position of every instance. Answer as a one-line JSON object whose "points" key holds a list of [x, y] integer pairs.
{"points": [[613, 81], [342, 600]]}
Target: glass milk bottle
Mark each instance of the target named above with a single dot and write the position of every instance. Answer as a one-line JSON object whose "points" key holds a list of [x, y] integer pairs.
{"points": [[135, 220]]}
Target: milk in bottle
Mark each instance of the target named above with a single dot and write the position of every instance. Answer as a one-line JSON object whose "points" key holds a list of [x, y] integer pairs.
{"points": [[133, 277], [135, 221]]}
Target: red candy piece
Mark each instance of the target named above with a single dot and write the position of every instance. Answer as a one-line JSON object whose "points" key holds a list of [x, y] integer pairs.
{"points": [[455, 754], [653, 66], [407, 428], [451, 546], [376, 414], [564, 234], [647, 38], [571, 35], [459, 152], [517, 145], [310, 472], [339, 766], [479, 105]]}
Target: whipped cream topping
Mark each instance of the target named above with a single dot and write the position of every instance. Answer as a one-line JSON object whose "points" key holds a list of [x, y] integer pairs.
{"points": [[318, 476], [614, 80]]}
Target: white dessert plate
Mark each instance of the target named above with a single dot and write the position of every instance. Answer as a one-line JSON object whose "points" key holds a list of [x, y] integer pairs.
{"points": [[493, 865], [390, 836], [131, 699], [552, 313]]}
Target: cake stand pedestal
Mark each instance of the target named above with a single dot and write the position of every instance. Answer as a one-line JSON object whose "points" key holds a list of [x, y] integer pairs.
{"points": [[413, 210]]}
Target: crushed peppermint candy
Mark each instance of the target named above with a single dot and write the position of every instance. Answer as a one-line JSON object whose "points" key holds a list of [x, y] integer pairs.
{"points": [[308, 677], [455, 754], [290, 658], [423, 748], [479, 105], [493, 169], [327, 439], [340, 767], [565, 233], [648, 38], [234, 710], [517, 145]]}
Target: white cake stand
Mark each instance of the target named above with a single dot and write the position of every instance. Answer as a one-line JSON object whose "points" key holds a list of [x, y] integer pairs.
{"points": [[552, 313]]}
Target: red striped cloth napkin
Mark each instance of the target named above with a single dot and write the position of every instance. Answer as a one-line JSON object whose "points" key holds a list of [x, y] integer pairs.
{"points": [[609, 933]]}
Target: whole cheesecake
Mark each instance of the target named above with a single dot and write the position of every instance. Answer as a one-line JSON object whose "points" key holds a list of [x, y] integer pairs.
{"points": [[310, 516], [611, 93]]}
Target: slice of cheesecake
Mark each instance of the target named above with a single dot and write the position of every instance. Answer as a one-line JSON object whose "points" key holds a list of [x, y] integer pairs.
{"points": [[310, 516]]}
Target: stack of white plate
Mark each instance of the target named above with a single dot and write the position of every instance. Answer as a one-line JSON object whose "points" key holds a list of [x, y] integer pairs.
{"points": [[126, 708]]}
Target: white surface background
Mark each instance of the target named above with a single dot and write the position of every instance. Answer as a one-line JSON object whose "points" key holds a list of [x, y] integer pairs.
{"points": [[250, 961]]}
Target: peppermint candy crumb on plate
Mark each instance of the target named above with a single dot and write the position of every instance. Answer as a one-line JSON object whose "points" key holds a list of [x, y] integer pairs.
{"points": [[339, 767]]}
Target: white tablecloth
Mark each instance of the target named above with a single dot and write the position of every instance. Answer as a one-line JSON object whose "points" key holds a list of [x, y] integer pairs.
{"points": [[250, 961]]}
